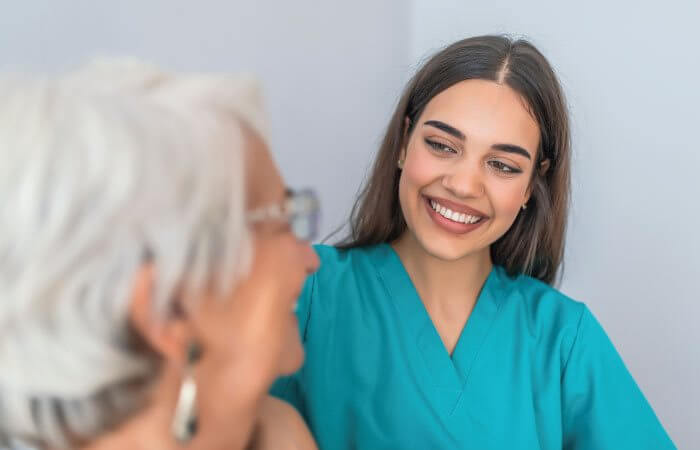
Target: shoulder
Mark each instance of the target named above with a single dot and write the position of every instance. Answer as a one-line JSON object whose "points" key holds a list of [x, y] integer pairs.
{"points": [[334, 255], [336, 272], [342, 273], [281, 427], [337, 262], [548, 314], [328, 255], [540, 301]]}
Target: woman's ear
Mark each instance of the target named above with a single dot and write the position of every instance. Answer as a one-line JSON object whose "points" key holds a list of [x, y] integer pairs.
{"points": [[540, 169], [169, 335]]}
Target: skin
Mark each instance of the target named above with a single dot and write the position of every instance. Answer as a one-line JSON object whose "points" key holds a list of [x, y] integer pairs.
{"points": [[447, 268], [248, 339]]}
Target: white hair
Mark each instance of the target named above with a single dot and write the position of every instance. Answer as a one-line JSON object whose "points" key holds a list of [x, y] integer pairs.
{"points": [[100, 170]]}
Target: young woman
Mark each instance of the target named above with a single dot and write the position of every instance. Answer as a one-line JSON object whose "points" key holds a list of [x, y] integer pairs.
{"points": [[435, 325]]}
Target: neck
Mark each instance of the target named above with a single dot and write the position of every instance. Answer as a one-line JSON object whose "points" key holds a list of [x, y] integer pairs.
{"points": [[149, 429], [447, 285]]}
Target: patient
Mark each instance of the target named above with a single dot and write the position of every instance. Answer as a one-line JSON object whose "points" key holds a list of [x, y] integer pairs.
{"points": [[150, 260]]}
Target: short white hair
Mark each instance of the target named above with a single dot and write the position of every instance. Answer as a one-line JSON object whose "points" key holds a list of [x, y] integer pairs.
{"points": [[100, 170]]}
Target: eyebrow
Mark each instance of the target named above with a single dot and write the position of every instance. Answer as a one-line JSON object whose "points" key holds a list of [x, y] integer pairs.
{"points": [[449, 129], [512, 149]]}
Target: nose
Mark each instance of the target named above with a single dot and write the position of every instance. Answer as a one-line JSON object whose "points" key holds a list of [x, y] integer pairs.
{"points": [[465, 180], [309, 258]]}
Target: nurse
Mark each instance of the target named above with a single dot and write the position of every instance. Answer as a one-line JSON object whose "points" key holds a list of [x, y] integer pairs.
{"points": [[435, 325]]}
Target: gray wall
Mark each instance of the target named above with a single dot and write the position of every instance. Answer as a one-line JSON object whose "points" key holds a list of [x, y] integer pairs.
{"points": [[631, 74], [332, 72]]}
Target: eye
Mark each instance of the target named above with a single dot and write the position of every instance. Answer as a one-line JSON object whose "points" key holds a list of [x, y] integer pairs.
{"points": [[440, 147], [504, 168]]}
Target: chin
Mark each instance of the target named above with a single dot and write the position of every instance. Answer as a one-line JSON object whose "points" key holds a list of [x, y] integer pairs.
{"points": [[446, 254], [445, 249]]}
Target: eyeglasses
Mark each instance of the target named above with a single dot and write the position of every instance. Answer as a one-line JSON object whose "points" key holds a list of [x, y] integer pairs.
{"points": [[300, 210]]}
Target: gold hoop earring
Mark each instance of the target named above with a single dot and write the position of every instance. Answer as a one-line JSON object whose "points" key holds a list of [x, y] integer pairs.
{"points": [[184, 426]]}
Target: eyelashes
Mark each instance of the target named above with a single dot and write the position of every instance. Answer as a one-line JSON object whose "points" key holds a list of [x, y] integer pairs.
{"points": [[498, 166], [440, 147], [504, 168]]}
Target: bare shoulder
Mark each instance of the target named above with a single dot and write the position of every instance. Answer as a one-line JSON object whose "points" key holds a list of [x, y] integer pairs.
{"points": [[280, 427]]}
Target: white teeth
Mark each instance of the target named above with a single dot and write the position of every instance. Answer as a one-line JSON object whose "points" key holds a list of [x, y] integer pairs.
{"points": [[453, 215]]}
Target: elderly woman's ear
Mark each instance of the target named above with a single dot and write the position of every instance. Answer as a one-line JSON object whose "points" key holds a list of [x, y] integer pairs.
{"points": [[168, 336]]}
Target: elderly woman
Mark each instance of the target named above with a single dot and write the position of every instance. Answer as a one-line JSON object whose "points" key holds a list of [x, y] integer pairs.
{"points": [[150, 260]]}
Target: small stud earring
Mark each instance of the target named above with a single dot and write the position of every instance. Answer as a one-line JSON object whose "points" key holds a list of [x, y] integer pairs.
{"points": [[524, 206], [401, 163]]}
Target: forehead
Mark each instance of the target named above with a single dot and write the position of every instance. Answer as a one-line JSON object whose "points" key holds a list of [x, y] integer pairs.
{"points": [[484, 109], [264, 183]]}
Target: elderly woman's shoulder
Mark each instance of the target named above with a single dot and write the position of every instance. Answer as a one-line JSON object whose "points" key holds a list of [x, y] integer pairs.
{"points": [[280, 427]]}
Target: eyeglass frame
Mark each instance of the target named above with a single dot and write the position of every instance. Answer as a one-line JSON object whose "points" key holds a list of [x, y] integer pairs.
{"points": [[299, 204]]}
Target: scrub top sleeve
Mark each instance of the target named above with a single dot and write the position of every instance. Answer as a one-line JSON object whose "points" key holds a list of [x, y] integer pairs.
{"points": [[602, 406]]}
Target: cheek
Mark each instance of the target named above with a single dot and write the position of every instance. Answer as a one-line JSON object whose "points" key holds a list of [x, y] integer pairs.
{"points": [[259, 313], [251, 315], [508, 197], [265, 317], [246, 337], [415, 176], [420, 170]]}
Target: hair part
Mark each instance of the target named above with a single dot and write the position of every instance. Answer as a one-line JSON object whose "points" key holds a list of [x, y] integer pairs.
{"points": [[534, 245]]}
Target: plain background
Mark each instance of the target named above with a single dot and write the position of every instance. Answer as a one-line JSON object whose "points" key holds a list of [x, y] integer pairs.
{"points": [[332, 73]]}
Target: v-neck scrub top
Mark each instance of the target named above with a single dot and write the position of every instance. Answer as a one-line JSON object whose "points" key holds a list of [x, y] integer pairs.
{"points": [[532, 369]]}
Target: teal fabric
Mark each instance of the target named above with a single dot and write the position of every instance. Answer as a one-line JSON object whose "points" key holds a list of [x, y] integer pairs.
{"points": [[532, 368]]}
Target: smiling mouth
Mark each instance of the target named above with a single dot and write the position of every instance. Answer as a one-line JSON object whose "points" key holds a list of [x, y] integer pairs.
{"points": [[454, 216]]}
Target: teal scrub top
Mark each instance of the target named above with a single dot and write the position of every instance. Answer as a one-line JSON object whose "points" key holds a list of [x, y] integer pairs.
{"points": [[532, 369]]}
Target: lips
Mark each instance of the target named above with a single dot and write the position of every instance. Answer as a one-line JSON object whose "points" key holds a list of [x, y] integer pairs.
{"points": [[461, 220], [464, 209]]}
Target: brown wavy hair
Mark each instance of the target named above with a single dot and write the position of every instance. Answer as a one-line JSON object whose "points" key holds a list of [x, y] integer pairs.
{"points": [[534, 245]]}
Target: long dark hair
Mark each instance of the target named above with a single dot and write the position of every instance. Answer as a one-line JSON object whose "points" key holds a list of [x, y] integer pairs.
{"points": [[534, 245]]}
